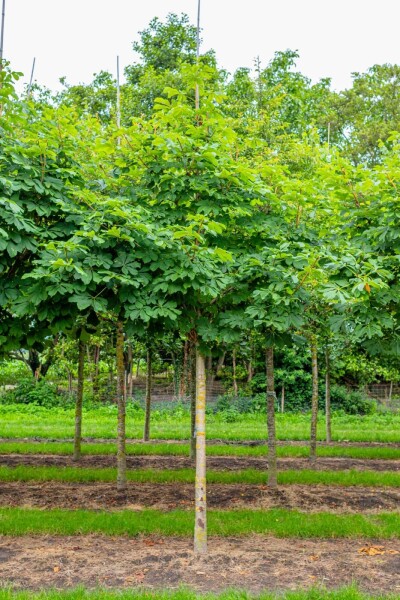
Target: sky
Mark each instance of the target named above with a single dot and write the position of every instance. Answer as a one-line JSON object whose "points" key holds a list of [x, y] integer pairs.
{"points": [[77, 38]]}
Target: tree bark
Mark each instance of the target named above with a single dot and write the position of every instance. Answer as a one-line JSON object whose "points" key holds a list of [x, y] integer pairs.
{"points": [[314, 401], [79, 402], [235, 386], [272, 466], [146, 432], [192, 392], [200, 529], [96, 360], [184, 379], [121, 435], [328, 396]]}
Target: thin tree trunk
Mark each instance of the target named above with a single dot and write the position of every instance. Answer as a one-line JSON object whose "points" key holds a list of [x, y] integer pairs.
{"points": [[146, 432], [200, 528], [192, 392], [121, 436], [328, 396], [79, 402], [96, 360], [70, 382], [272, 467], [235, 386], [184, 379], [283, 399], [249, 371], [314, 401]]}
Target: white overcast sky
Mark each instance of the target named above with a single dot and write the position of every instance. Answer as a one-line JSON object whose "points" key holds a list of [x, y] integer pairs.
{"points": [[77, 38]]}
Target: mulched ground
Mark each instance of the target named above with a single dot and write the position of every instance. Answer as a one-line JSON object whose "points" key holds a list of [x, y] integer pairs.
{"points": [[103, 496], [218, 463], [254, 563]]}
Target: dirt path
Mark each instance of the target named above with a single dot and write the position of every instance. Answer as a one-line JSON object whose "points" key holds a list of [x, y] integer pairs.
{"points": [[212, 442], [103, 496], [218, 463], [254, 563]]}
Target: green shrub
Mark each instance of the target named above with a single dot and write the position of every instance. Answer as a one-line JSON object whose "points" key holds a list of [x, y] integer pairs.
{"points": [[39, 393], [352, 402]]}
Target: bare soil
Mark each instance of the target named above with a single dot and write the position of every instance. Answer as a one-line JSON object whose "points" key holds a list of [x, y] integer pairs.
{"points": [[103, 496], [254, 563], [215, 441], [218, 463]]}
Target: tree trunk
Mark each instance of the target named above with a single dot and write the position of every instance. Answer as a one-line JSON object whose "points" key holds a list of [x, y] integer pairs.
{"points": [[96, 360], [128, 369], [121, 452], [283, 399], [183, 384], [249, 371], [200, 528], [70, 382], [79, 402], [235, 386], [328, 396], [314, 401], [272, 468], [192, 392], [146, 432]]}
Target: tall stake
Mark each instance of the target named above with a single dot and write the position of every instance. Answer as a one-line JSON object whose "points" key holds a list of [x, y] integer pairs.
{"points": [[200, 528], [79, 402], [146, 432], [118, 103], [314, 399], [31, 79], [3, 16], [197, 92], [328, 395]]}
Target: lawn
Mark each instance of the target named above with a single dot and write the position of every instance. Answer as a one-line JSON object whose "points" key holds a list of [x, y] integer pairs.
{"points": [[19, 421]]}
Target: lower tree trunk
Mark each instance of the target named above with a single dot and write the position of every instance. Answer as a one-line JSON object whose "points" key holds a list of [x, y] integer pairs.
{"points": [[328, 396], [70, 382], [272, 467], [314, 401], [96, 361], [192, 392], [146, 432], [235, 386], [121, 435], [200, 528], [79, 402]]}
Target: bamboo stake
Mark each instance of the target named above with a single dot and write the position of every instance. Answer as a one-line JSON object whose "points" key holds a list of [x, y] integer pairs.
{"points": [[3, 17], [197, 91], [118, 102], [31, 79]]}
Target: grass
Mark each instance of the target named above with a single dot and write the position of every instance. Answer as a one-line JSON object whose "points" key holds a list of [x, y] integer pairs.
{"points": [[347, 593], [171, 449], [32, 421], [248, 476], [278, 522]]}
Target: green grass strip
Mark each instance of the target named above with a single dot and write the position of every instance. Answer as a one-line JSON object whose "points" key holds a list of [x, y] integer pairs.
{"points": [[347, 593], [279, 522], [165, 449], [248, 476]]}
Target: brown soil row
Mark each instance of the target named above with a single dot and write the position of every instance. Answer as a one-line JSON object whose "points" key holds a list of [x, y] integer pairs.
{"points": [[220, 463], [254, 563], [103, 496], [219, 442]]}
